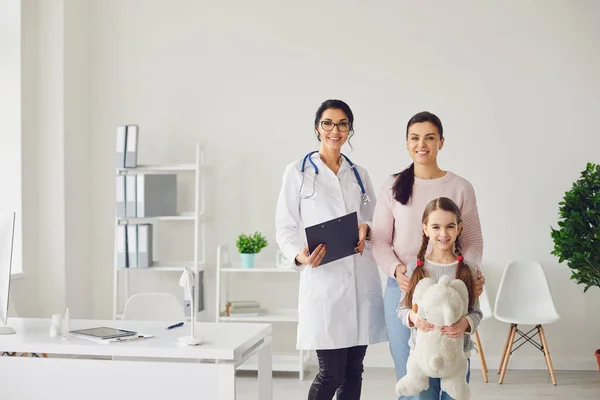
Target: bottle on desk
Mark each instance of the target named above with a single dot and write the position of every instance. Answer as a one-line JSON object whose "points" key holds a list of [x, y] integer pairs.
{"points": [[55, 326], [65, 324]]}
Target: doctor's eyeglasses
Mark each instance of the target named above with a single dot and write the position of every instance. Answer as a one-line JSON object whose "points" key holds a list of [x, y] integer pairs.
{"points": [[343, 126]]}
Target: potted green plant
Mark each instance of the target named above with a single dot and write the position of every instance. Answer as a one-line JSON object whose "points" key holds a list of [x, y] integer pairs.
{"points": [[577, 239], [248, 246]]}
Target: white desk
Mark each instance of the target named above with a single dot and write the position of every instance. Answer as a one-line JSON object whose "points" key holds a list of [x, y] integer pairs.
{"points": [[155, 368]]}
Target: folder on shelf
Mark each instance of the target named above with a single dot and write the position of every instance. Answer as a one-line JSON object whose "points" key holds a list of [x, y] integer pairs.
{"points": [[339, 234], [144, 246], [156, 195], [132, 248], [131, 147], [121, 145], [120, 197], [130, 196], [121, 238]]}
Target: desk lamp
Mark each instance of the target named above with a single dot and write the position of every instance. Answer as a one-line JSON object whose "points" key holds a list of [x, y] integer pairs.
{"points": [[187, 280]]}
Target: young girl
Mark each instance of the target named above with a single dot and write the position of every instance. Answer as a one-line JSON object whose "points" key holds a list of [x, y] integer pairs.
{"points": [[442, 225]]}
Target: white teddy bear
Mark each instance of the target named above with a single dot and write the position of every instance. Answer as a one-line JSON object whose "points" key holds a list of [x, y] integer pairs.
{"points": [[437, 355]]}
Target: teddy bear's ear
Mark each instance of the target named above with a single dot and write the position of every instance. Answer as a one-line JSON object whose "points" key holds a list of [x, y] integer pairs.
{"points": [[461, 288], [421, 287]]}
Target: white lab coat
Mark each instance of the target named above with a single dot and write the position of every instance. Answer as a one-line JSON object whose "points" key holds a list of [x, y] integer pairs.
{"points": [[340, 304]]}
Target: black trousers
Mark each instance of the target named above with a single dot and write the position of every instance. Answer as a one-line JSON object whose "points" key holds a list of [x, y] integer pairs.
{"points": [[340, 371]]}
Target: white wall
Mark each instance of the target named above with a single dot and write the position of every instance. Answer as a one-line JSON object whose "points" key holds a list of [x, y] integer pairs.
{"points": [[55, 139], [76, 147], [515, 84], [24, 293], [10, 117]]}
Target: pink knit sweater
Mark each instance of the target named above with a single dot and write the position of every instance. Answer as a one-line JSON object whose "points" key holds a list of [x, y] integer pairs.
{"points": [[396, 233]]}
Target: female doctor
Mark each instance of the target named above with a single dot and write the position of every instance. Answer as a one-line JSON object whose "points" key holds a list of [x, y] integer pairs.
{"points": [[340, 304]]}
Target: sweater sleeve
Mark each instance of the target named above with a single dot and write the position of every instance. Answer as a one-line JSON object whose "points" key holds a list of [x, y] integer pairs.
{"points": [[382, 233], [474, 315], [471, 236]]}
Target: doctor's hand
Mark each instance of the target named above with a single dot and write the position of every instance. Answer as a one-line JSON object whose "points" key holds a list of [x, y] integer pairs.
{"points": [[479, 283], [363, 229], [313, 259], [401, 278], [419, 322]]}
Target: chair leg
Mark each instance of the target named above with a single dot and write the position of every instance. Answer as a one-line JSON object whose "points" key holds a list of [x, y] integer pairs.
{"points": [[481, 357], [504, 350], [547, 354], [506, 357], [539, 329]]}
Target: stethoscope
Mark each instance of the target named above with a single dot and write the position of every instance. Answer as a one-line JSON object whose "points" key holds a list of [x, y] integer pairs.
{"points": [[363, 196]]}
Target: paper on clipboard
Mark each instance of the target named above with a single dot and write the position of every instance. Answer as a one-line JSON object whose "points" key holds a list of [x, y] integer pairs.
{"points": [[339, 234]]}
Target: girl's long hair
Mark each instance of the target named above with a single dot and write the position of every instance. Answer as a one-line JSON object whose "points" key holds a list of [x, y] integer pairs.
{"points": [[463, 272]]}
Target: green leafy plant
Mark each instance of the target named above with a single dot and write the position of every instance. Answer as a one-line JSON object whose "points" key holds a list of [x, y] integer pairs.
{"points": [[248, 244], [577, 239]]}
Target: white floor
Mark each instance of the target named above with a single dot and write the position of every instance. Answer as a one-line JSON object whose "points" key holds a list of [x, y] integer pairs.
{"points": [[378, 384]]}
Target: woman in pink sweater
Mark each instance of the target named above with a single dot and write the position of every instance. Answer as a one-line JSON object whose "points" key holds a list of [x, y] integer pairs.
{"points": [[396, 232]]}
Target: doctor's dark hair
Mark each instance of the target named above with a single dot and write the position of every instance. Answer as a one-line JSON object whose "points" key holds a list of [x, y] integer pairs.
{"points": [[403, 186], [340, 105], [463, 272]]}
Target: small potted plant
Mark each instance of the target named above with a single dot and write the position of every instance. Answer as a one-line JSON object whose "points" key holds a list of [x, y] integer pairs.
{"points": [[577, 239], [248, 246]]}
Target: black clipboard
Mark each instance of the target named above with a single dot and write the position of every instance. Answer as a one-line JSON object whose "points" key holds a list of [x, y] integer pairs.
{"points": [[339, 234]]}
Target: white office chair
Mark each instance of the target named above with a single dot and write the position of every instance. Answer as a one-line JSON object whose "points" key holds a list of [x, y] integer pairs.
{"points": [[486, 310], [524, 298], [153, 307]]}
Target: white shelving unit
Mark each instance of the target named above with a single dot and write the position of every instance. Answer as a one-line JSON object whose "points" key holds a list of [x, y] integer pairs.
{"points": [[285, 362], [197, 216]]}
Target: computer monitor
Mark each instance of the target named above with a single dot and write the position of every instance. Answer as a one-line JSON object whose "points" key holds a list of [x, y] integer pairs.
{"points": [[7, 234]]}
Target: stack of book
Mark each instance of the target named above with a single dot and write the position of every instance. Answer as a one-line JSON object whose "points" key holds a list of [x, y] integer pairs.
{"points": [[242, 309]]}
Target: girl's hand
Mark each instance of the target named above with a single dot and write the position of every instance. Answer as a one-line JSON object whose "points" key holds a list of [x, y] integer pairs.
{"points": [[456, 330], [314, 259], [401, 278], [363, 230], [419, 322]]}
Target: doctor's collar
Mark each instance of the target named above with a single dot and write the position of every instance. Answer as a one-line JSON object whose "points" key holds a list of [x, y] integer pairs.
{"points": [[341, 160]]}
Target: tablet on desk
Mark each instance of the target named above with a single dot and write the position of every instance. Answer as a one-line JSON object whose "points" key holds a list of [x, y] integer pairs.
{"points": [[103, 332]]}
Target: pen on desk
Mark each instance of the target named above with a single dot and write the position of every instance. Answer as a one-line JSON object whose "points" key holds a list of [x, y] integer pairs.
{"points": [[177, 325], [131, 338]]}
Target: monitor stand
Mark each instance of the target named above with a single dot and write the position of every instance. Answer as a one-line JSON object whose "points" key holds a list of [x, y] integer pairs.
{"points": [[7, 330]]}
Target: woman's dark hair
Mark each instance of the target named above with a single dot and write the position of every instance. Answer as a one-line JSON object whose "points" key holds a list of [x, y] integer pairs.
{"points": [[403, 186], [337, 104]]}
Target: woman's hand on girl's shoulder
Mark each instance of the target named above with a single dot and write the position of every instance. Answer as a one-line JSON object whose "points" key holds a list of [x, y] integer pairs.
{"points": [[479, 283], [479, 280], [401, 278]]}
